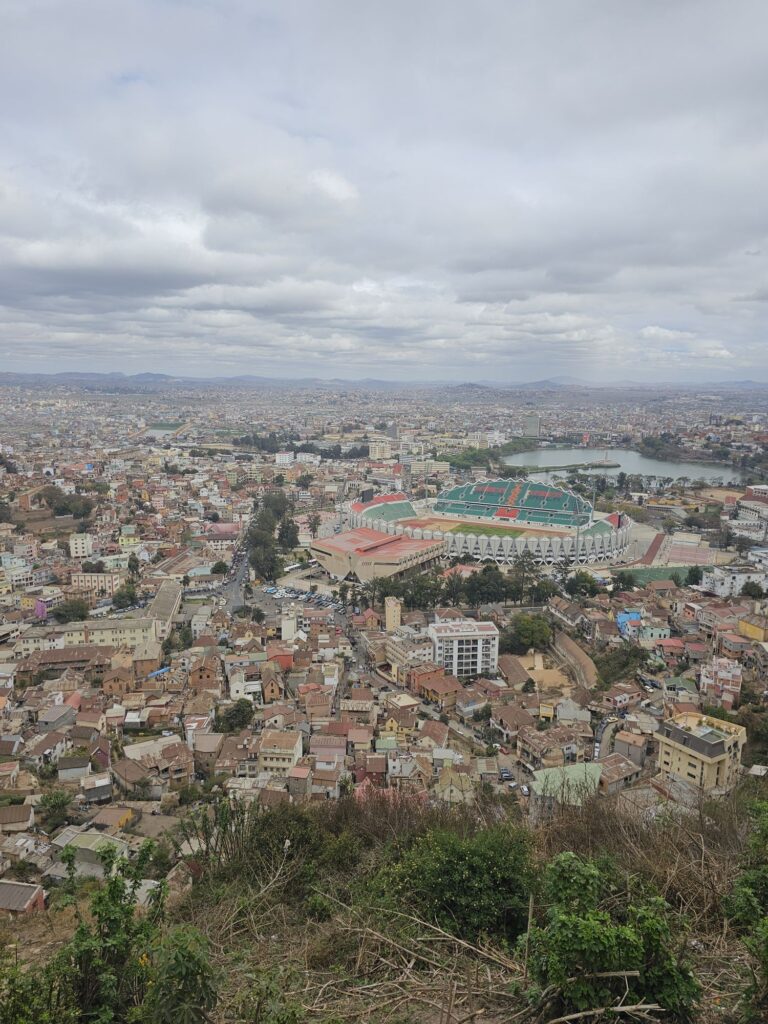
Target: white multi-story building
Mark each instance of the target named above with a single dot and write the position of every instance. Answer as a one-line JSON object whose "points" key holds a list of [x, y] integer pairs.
{"points": [[729, 580], [465, 648], [80, 545], [284, 458], [380, 448]]}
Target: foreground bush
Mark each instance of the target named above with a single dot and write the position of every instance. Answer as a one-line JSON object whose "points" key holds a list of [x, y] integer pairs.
{"points": [[591, 957]]}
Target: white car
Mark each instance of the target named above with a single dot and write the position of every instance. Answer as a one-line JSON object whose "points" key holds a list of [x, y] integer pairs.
{"points": [[524, 790]]}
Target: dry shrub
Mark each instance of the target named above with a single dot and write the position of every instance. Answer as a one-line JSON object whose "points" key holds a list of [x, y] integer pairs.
{"points": [[690, 856]]}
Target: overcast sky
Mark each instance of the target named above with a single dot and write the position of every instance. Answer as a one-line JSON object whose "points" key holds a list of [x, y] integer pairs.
{"points": [[426, 189]]}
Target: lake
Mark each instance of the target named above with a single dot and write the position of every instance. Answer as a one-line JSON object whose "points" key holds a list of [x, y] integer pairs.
{"points": [[630, 462]]}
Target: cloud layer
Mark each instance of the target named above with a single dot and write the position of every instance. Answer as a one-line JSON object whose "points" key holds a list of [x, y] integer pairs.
{"points": [[425, 190]]}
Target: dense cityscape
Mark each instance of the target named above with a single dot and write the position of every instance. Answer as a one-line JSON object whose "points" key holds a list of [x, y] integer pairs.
{"points": [[287, 596], [383, 512]]}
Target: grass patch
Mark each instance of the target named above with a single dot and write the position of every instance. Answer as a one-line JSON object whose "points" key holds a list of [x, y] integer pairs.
{"points": [[483, 530]]}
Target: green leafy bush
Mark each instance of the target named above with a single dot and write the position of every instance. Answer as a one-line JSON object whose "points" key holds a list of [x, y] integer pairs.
{"points": [[469, 886], [589, 954]]}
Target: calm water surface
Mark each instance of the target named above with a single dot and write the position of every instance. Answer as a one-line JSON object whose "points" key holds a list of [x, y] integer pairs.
{"points": [[630, 462]]}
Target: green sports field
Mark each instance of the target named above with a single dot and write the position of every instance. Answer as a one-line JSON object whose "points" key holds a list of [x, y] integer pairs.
{"points": [[481, 530]]}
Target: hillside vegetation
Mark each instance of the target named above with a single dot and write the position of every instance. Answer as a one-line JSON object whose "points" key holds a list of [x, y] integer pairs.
{"points": [[386, 909]]}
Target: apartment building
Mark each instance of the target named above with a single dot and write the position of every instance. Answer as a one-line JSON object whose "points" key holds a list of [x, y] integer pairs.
{"points": [[107, 633], [279, 751], [465, 648], [101, 584], [729, 580], [80, 545], [380, 448], [701, 752]]}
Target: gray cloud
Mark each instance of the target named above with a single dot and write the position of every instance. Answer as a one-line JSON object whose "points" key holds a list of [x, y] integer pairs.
{"points": [[433, 189]]}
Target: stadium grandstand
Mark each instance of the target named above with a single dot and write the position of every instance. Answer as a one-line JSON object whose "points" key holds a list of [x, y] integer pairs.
{"points": [[515, 501], [497, 520], [389, 507]]}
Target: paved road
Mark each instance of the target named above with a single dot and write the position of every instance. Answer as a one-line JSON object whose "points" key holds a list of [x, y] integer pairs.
{"points": [[232, 591]]}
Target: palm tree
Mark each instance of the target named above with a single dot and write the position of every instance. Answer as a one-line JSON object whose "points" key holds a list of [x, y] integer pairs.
{"points": [[372, 590], [313, 522]]}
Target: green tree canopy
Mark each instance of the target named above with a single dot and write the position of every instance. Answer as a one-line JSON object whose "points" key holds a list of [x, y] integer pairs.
{"points": [[524, 632], [73, 610], [236, 717], [469, 886]]}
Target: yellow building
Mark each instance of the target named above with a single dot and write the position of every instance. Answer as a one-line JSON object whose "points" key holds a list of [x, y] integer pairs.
{"points": [[393, 613], [701, 751], [108, 632], [754, 627]]}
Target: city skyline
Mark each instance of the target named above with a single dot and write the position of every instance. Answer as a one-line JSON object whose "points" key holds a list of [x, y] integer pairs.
{"points": [[505, 195]]}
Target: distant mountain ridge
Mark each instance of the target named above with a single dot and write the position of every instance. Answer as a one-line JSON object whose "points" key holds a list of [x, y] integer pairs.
{"points": [[467, 388]]}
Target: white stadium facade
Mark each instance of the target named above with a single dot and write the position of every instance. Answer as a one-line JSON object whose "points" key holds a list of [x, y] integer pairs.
{"points": [[498, 520]]}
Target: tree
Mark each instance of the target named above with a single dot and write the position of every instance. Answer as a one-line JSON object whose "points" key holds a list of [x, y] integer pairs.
{"points": [[62, 504], [372, 590], [581, 583], [743, 544], [314, 521], [125, 596], [624, 580], [752, 589], [258, 616], [236, 717], [304, 481], [525, 632], [54, 805], [542, 590], [219, 568], [73, 610], [5, 512], [96, 567], [422, 591], [265, 562], [454, 589], [694, 576], [486, 587], [524, 572], [621, 662], [133, 564], [288, 534]]}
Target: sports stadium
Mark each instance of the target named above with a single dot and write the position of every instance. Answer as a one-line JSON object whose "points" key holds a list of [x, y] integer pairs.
{"points": [[497, 520]]}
